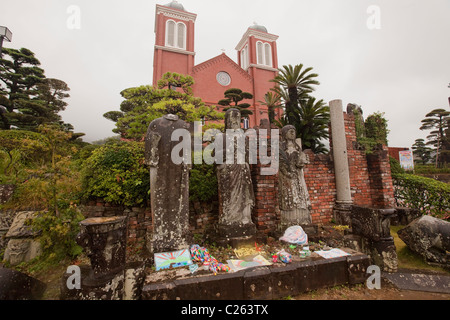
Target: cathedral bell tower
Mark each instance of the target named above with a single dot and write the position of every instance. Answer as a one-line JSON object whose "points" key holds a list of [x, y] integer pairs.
{"points": [[174, 43], [257, 55]]}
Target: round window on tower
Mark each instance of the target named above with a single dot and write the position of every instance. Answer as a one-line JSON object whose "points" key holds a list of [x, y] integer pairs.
{"points": [[223, 78]]}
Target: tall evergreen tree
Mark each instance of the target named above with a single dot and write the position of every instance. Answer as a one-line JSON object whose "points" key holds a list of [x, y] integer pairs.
{"points": [[422, 151], [437, 121], [145, 103], [30, 99]]}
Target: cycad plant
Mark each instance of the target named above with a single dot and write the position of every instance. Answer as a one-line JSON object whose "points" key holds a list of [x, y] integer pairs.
{"points": [[312, 126], [309, 116], [292, 83], [273, 101]]}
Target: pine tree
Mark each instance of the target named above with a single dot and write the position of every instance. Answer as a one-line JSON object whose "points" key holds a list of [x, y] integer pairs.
{"points": [[233, 98], [30, 99], [437, 120]]}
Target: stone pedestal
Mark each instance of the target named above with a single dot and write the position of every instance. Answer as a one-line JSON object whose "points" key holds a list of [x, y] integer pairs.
{"points": [[374, 226], [236, 235], [342, 213], [105, 241], [124, 285]]}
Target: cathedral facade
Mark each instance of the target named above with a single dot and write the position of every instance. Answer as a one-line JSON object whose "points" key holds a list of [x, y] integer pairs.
{"points": [[257, 61]]}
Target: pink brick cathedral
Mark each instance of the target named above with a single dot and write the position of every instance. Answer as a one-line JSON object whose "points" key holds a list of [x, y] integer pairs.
{"points": [[257, 60]]}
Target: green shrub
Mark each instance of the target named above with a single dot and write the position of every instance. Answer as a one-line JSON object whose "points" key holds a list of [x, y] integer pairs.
{"points": [[116, 173], [428, 195], [58, 233], [430, 169], [203, 183], [32, 145], [396, 168], [19, 150]]}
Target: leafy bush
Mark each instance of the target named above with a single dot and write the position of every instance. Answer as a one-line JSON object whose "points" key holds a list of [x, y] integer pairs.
{"points": [[116, 173], [430, 169], [20, 149], [428, 195], [58, 233], [396, 168], [203, 183], [32, 145], [373, 132]]}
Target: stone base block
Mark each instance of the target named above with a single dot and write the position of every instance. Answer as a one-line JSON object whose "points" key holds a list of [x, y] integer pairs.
{"points": [[273, 282]]}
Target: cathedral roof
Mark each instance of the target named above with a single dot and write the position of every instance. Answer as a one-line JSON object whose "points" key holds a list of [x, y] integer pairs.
{"points": [[258, 27], [175, 5]]}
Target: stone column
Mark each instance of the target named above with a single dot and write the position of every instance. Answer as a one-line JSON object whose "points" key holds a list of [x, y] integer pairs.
{"points": [[342, 210]]}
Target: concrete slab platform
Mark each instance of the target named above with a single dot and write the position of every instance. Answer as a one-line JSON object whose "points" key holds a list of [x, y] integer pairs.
{"points": [[419, 282], [260, 283]]}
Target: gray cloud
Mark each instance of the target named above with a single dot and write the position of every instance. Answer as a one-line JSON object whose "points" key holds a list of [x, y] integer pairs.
{"points": [[401, 69]]}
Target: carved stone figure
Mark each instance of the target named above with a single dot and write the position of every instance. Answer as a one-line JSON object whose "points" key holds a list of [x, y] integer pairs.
{"points": [[294, 199], [235, 185], [169, 186]]}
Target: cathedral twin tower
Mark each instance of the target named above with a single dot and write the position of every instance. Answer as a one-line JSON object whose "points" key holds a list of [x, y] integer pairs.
{"points": [[257, 60]]}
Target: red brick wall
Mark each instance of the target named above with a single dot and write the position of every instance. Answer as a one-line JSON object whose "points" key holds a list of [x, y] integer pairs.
{"points": [[319, 178], [370, 183], [266, 213]]}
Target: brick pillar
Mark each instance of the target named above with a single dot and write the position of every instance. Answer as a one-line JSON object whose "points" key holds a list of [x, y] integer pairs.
{"points": [[266, 213], [380, 179]]}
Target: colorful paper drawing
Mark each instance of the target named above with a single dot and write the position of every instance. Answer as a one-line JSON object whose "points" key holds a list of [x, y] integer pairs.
{"points": [[174, 259], [238, 265], [333, 253]]}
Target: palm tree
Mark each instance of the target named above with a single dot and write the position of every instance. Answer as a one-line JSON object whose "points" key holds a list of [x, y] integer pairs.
{"points": [[273, 101], [295, 81]]}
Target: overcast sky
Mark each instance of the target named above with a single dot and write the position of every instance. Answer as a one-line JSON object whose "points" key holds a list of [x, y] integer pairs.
{"points": [[391, 56]]}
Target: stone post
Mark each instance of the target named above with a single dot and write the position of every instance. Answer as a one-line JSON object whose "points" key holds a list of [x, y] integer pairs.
{"points": [[104, 239], [342, 210]]}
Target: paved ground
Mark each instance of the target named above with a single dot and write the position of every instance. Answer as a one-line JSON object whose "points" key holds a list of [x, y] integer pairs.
{"points": [[399, 286], [419, 282]]}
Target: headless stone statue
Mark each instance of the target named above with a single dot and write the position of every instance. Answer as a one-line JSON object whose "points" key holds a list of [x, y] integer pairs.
{"points": [[294, 199], [235, 189], [169, 186]]}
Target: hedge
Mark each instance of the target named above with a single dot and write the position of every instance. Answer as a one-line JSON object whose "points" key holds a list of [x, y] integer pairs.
{"points": [[428, 195]]}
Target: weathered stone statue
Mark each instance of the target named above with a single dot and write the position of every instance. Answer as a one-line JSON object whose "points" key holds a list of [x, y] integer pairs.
{"points": [[294, 199], [169, 186], [235, 185]]}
